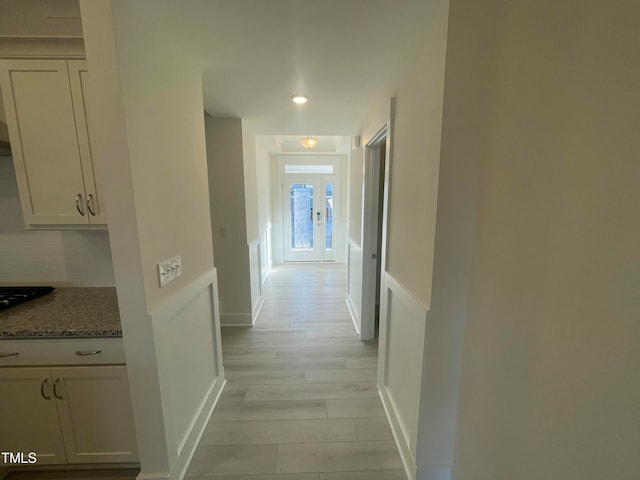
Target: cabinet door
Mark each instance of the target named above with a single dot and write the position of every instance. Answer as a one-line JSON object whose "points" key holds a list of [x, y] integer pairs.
{"points": [[78, 82], [42, 130], [94, 406], [28, 415]]}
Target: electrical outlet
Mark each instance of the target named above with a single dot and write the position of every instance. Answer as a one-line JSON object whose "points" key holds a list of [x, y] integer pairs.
{"points": [[169, 270]]}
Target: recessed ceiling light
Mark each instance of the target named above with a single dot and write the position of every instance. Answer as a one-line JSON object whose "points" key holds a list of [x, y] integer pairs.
{"points": [[299, 99]]}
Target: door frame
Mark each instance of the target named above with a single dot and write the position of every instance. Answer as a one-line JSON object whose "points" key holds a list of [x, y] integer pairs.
{"points": [[334, 160], [370, 216]]}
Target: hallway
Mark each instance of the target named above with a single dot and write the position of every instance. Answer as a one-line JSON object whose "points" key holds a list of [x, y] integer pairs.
{"points": [[301, 402]]}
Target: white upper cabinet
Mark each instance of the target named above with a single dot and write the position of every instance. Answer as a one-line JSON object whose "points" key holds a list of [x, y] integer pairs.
{"points": [[45, 110]]}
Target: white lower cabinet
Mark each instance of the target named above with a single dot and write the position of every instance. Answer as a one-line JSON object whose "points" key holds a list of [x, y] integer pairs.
{"points": [[72, 415]]}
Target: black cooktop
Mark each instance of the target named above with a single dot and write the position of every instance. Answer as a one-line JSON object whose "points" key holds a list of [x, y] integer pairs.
{"points": [[11, 296]]}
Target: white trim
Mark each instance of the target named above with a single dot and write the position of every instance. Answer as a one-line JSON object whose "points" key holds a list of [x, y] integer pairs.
{"points": [[336, 160], [171, 305], [418, 310], [165, 313], [408, 299], [256, 309], [408, 461], [42, 47], [236, 320], [369, 221], [266, 252], [353, 312], [254, 242], [197, 428]]}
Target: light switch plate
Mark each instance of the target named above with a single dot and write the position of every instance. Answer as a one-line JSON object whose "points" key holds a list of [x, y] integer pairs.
{"points": [[169, 270]]}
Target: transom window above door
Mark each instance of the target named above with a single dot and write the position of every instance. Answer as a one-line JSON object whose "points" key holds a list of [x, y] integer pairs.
{"points": [[298, 169]]}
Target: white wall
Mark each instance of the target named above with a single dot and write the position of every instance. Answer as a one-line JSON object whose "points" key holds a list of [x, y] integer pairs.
{"points": [[62, 258], [356, 179], [549, 386], [226, 191], [250, 180], [406, 321], [264, 196], [149, 136]]}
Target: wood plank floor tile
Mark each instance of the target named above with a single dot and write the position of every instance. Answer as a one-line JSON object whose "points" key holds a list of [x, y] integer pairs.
{"points": [[277, 476], [283, 431], [355, 408], [355, 375], [265, 378], [280, 364], [244, 459], [341, 457], [312, 391], [368, 475], [278, 410]]}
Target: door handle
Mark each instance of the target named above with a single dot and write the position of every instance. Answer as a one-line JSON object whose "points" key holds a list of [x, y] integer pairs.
{"points": [[85, 353], [90, 205], [55, 389], [78, 204], [44, 395], [318, 217]]}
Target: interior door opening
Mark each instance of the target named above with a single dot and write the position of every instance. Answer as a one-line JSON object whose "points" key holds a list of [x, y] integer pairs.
{"points": [[373, 231]]}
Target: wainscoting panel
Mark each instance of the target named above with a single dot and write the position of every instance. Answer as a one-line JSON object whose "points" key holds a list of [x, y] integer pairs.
{"points": [[354, 282], [403, 321], [189, 355], [266, 259]]}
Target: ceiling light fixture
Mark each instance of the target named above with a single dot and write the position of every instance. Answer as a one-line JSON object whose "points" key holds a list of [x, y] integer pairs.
{"points": [[299, 99], [308, 142]]}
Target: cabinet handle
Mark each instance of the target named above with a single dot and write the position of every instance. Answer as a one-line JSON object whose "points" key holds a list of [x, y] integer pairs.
{"points": [[90, 204], [78, 204], [7, 355], [55, 389], [85, 353], [44, 395]]}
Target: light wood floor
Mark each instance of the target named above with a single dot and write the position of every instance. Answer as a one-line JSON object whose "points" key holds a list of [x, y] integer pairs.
{"points": [[301, 401]]}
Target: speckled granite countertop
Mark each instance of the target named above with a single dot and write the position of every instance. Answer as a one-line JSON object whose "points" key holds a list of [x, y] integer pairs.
{"points": [[67, 312]]}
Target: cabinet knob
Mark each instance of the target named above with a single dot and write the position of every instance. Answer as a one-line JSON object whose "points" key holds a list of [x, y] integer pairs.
{"points": [[79, 204]]}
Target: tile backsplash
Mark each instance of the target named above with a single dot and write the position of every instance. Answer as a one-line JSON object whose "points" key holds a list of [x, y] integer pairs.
{"points": [[60, 258]]}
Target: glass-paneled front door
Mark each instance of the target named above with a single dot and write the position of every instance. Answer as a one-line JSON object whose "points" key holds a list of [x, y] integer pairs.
{"points": [[308, 219]]}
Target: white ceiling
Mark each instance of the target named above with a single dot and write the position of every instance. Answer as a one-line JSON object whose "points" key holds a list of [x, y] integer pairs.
{"points": [[346, 55]]}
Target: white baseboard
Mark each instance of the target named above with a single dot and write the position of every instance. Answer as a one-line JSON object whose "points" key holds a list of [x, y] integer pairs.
{"points": [[256, 309], [236, 320], [403, 448], [353, 312]]}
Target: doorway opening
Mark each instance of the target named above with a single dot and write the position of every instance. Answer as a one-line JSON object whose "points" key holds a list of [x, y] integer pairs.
{"points": [[376, 181], [311, 222]]}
